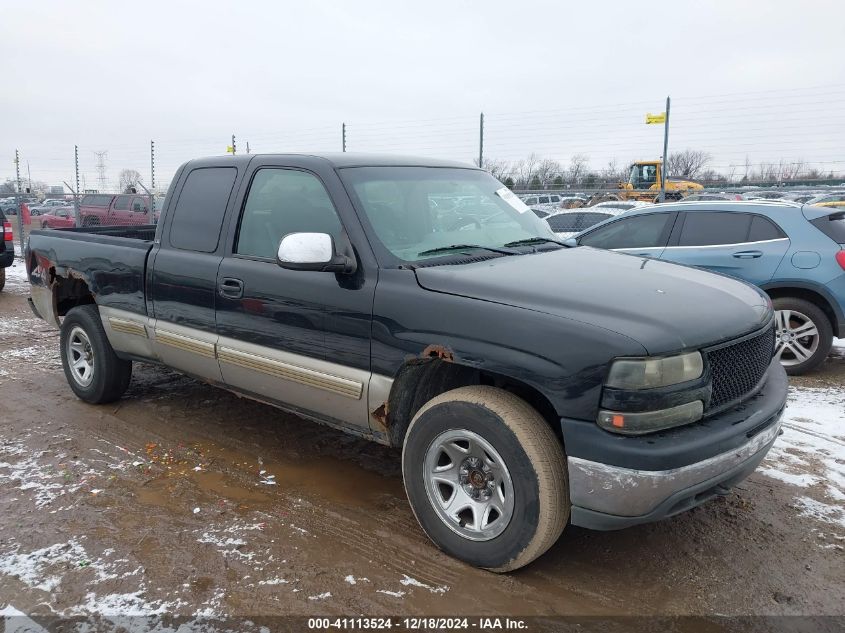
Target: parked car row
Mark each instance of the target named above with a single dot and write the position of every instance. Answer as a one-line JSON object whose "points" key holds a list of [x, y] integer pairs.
{"points": [[795, 253]]}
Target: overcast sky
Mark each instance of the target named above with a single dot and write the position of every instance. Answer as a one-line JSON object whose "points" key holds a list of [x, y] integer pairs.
{"points": [[759, 79]]}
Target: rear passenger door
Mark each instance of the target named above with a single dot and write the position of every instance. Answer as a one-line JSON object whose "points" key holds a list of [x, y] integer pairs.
{"points": [[645, 235], [183, 286], [294, 337], [743, 245]]}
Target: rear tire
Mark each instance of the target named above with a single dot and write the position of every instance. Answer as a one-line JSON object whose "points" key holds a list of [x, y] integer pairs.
{"points": [[2, 279], [93, 370], [804, 332], [476, 448]]}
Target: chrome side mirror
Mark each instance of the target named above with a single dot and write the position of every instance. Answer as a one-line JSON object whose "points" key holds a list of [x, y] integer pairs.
{"points": [[313, 251], [571, 242]]}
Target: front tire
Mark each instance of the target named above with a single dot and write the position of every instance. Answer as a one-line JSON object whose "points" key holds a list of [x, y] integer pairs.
{"points": [[804, 335], [93, 370], [486, 477]]}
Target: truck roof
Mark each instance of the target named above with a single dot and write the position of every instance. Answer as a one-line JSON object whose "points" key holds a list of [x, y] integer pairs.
{"points": [[343, 159]]}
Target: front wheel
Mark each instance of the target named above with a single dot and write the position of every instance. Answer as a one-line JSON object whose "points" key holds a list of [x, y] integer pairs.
{"points": [[486, 477], [804, 335], [93, 371]]}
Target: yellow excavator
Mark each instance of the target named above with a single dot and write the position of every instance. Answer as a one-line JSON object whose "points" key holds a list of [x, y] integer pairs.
{"points": [[644, 184]]}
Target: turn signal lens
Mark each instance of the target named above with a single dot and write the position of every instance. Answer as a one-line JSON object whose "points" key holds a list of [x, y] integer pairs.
{"points": [[650, 421], [7, 231], [840, 259]]}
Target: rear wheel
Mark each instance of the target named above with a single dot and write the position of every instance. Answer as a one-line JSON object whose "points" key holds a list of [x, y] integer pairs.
{"points": [[486, 477], [804, 334], [2, 278], [92, 369]]}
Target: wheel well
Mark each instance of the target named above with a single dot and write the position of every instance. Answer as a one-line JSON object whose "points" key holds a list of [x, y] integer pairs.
{"points": [[70, 292], [419, 381], [808, 295]]}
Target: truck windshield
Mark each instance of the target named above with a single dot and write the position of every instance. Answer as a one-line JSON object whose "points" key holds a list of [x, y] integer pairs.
{"points": [[414, 211]]}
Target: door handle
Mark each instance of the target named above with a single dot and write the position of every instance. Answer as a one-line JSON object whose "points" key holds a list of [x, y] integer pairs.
{"points": [[231, 288], [748, 254]]}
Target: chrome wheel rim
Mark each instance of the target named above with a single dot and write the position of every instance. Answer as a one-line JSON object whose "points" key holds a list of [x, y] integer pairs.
{"points": [[80, 357], [468, 485], [797, 337]]}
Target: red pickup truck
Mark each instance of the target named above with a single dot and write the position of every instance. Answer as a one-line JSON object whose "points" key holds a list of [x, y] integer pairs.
{"points": [[117, 209]]}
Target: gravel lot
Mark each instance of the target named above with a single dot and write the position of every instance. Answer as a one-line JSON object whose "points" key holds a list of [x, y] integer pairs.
{"points": [[185, 499]]}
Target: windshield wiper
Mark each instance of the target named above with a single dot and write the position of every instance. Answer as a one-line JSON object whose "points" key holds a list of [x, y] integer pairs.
{"points": [[456, 247], [534, 240]]}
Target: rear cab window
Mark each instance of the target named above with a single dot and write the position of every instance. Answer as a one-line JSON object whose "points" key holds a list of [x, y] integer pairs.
{"points": [[198, 216], [96, 200]]}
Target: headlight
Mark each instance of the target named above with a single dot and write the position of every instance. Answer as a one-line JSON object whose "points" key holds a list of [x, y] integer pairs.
{"points": [[646, 373]]}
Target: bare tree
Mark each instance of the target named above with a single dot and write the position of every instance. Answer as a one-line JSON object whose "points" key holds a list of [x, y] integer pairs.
{"points": [[128, 178], [547, 169], [500, 169], [525, 170], [688, 163], [578, 165]]}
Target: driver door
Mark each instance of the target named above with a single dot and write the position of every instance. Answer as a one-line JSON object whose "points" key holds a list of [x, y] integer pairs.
{"points": [[297, 338]]}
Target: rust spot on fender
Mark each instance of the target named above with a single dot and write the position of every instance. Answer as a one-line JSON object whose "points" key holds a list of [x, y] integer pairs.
{"points": [[382, 415], [438, 351]]}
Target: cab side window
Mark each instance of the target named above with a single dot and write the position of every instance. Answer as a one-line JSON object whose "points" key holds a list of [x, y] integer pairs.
{"points": [[283, 201], [121, 203]]}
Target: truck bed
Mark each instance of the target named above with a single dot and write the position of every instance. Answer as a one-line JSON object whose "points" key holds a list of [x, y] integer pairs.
{"points": [[110, 260]]}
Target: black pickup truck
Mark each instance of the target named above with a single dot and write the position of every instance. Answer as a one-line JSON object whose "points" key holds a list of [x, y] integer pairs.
{"points": [[420, 304]]}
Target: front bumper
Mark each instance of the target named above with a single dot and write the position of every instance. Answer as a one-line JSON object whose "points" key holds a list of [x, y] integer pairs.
{"points": [[648, 478]]}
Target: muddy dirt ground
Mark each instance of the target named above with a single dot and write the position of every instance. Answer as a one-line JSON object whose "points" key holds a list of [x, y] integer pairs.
{"points": [[185, 499]]}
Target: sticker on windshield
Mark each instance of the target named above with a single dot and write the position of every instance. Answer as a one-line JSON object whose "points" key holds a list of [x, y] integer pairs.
{"points": [[510, 197]]}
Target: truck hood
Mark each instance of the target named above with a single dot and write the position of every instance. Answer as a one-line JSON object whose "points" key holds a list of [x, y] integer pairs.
{"points": [[664, 307]]}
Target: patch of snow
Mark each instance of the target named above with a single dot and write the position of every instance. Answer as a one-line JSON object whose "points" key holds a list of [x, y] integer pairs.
{"points": [[811, 452], [273, 581], [17, 282], [395, 594], [321, 596], [413, 582]]}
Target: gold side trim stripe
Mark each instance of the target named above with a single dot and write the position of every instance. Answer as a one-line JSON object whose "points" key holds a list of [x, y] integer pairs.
{"points": [[286, 371], [127, 327], [185, 343]]}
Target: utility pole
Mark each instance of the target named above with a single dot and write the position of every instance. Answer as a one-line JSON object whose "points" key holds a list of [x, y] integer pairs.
{"points": [[18, 198], [247, 147], [234, 147], [481, 141], [153, 165], [665, 164], [29, 176], [76, 191], [343, 136]]}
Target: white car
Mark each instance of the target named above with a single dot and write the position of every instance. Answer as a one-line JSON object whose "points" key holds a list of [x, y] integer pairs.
{"points": [[545, 202], [570, 222]]}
